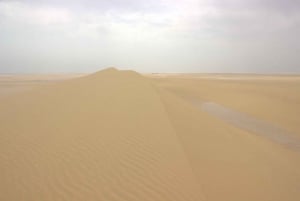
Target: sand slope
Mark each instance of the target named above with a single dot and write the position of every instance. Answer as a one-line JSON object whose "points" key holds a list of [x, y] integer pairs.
{"points": [[232, 164], [116, 135], [275, 99], [106, 136]]}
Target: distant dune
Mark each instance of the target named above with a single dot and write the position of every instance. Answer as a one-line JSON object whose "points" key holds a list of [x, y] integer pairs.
{"points": [[117, 136]]}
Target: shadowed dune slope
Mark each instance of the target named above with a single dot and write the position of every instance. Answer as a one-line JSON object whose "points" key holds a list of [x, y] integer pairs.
{"points": [[106, 136]]}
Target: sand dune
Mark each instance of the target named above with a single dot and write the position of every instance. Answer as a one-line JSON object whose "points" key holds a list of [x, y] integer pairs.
{"points": [[106, 136], [117, 135]]}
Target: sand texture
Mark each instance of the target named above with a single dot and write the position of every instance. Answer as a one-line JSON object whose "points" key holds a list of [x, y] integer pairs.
{"points": [[120, 136]]}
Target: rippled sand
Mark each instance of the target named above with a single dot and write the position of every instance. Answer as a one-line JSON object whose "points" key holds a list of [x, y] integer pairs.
{"points": [[118, 135]]}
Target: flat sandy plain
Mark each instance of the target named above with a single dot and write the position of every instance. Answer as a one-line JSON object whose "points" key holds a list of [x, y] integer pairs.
{"points": [[118, 135]]}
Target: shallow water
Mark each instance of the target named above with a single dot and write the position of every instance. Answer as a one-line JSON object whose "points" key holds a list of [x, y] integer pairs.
{"points": [[244, 121]]}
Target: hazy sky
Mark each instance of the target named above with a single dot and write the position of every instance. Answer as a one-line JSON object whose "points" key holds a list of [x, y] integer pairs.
{"points": [[150, 35]]}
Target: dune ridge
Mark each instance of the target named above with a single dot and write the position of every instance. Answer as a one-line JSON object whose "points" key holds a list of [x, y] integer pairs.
{"points": [[101, 137], [117, 135]]}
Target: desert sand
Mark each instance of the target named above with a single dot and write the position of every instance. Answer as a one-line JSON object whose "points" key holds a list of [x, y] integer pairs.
{"points": [[119, 135]]}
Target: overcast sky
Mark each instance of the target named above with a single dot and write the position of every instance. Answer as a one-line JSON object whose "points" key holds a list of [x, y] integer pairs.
{"points": [[50, 36]]}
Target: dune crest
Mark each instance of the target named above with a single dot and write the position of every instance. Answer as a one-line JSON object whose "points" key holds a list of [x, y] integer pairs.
{"points": [[105, 136], [117, 135]]}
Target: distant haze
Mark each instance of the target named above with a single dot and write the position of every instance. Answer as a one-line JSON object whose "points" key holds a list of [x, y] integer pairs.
{"points": [[53, 36]]}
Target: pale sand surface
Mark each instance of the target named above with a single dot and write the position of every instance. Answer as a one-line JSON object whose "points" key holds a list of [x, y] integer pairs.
{"points": [[11, 84], [38, 77], [275, 99], [118, 135]]}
